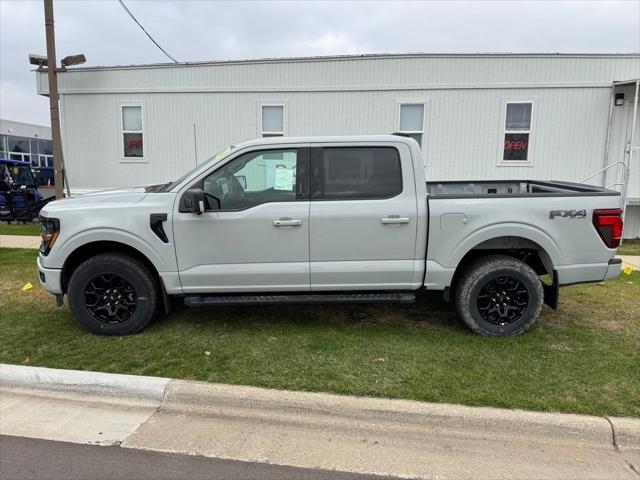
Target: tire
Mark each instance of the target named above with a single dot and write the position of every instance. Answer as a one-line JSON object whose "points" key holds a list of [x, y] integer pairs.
{"points": [[113, 294], [499, 296]]}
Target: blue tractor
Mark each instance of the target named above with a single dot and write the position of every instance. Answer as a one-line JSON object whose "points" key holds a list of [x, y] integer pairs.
{"points": [[20, 199]]}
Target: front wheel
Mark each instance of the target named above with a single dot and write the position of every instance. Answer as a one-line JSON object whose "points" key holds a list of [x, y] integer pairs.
{"points": [[112, 294], [499, 295]]}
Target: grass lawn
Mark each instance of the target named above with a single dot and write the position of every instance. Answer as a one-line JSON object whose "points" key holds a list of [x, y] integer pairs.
{"points": [[20, 229], [583, 358]]}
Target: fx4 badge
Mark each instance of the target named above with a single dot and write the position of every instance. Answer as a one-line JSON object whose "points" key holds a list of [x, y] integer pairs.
{"points": [[568, 214]]}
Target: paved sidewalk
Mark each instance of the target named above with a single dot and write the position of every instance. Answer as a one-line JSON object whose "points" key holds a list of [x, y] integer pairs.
{"points": [[632, 260], [313, 430], [19, 241]]}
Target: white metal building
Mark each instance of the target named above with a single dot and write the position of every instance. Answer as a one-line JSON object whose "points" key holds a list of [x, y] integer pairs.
{"points": [[477, 116]]}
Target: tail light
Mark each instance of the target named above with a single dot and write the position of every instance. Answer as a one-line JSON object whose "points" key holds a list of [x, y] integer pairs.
{"points": [[608, 224]]}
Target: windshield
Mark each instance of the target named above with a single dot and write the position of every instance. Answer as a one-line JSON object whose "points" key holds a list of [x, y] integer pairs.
{"points": [[22, 175], [19, 175], [217, 156]]}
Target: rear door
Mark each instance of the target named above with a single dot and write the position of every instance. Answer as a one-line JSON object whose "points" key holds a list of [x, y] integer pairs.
{"points": [[363, 217]]}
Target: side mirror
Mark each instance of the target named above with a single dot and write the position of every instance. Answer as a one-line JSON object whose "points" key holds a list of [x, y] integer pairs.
{"points": [[193, 201]]}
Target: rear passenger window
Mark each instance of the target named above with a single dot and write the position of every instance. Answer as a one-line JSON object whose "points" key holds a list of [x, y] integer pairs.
{"points": [[356, 173]]}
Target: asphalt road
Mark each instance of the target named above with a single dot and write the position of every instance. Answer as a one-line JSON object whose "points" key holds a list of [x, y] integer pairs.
{"points": [[34, 459]]}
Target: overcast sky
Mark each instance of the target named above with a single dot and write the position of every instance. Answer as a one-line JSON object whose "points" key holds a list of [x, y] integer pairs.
{"points": [[212, 30]]}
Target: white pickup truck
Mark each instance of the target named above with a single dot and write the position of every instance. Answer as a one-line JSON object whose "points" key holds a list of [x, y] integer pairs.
{"points": [[326, 219]]}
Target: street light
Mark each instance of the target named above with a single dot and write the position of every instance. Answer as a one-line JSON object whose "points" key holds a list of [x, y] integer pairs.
{"points": [[41, 61], [38, 60], [73, 60]]}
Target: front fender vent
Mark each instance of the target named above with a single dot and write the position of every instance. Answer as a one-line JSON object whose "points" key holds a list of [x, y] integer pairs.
{"points": [[155, 222]]}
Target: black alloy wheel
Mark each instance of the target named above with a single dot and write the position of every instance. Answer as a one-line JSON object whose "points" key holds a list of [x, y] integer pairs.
{"points": [[110, 298], [503, 300]]}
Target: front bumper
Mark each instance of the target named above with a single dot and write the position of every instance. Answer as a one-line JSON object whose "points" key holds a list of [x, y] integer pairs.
{"points": [[50, 278], [613, 270]]}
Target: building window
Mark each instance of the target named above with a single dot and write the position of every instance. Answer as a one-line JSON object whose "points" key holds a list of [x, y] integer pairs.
{"points": [[412, 121], [45, 147], [272, 120], [517, 130], [18, 144], [18, 148], [132, 135]]}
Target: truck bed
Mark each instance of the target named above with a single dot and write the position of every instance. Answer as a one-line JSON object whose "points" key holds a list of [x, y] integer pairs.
{"points": [[512, 188]]}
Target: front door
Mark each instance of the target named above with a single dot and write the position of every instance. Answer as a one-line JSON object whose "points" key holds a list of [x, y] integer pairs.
{"points": [[363, 218], [254, 234]]}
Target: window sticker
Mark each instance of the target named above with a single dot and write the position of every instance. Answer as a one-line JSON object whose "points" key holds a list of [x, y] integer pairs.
{"points": [[284, 179]]}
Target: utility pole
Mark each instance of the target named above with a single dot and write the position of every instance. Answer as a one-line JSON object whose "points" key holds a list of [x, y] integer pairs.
{"points": [[53, 99]]}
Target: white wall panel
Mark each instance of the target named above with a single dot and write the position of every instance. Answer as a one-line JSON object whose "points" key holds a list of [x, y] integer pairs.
{"points": [[632, 222]]}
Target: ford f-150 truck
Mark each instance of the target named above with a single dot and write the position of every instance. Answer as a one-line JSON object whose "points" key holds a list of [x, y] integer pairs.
{"points": [[326, 219]]}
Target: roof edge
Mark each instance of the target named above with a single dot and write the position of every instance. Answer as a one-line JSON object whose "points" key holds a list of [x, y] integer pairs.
{"points": [[368, 56]]}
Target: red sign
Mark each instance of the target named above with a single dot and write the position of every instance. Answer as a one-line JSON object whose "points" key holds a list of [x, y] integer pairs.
{"points": [[516, 145]]}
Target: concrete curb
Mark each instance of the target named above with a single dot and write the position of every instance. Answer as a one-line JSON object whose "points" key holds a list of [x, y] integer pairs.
{"points": [[95, 386], [407, 416], [626, 433], [314, 410]]}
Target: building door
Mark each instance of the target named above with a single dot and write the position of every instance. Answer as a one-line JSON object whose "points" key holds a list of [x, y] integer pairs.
{"points": [[254, 234], [619, 149], [363, 218]]}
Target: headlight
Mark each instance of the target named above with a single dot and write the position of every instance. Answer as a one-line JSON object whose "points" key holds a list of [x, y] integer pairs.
{"points": [[50, 231]]}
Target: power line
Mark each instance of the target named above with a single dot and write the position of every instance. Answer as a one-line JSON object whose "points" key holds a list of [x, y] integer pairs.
{"points": [[147, 33]]}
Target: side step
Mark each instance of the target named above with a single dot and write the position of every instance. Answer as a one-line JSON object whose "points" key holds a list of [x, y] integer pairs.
{"points": [[314, 298]]}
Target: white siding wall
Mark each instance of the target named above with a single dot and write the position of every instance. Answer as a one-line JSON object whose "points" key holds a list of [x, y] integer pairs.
{"points": [[463, 130], [632, 221]]}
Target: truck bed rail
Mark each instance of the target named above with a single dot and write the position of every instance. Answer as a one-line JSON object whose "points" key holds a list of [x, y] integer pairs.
{"points": [[513, 188]]}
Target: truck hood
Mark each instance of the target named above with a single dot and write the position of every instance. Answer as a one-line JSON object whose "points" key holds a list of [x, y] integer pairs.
{"points": [[103, 198]]}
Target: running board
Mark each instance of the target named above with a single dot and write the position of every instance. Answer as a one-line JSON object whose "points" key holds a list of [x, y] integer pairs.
{"points": [[203, 300]]}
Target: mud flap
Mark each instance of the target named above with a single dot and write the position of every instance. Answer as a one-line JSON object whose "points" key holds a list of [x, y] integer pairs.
{"points": [[552, 292], [166, 301]]}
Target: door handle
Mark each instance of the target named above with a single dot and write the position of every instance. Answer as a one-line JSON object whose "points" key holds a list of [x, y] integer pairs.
{"points": [[287, 222], [394, 220]]}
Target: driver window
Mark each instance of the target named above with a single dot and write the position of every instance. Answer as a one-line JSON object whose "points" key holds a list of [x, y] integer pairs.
{"points": [[252, 179]]}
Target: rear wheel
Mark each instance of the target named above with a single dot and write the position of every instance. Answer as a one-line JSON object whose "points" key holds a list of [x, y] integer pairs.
{"points": [[113, 294], [499, 295]]}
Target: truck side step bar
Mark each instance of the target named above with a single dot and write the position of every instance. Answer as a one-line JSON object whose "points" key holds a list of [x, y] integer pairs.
{"points": [[313, 298]]}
